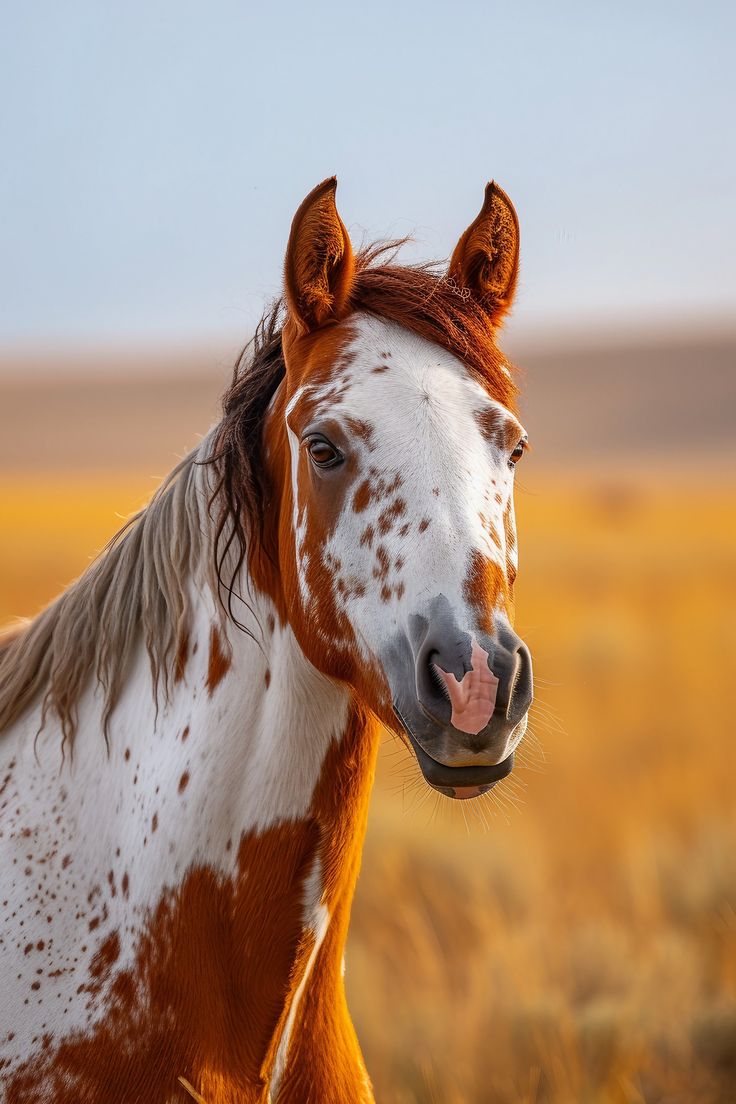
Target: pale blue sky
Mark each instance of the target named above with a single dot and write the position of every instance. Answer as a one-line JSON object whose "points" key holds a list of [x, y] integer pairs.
{"points": [[154, 153]]}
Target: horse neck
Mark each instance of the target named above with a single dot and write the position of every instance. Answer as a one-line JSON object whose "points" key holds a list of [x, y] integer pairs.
{"points": [[212, 847], [250, 737]]}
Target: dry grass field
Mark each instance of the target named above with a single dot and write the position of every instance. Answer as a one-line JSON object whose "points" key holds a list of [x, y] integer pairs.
{"points": [[573, 939]]}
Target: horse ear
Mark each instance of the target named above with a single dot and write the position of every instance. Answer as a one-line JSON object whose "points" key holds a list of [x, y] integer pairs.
{"points": [[486, 259], [320, 264]]}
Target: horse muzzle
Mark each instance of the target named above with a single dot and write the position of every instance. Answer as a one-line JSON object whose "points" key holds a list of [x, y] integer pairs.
{"points": [[462, 698]]}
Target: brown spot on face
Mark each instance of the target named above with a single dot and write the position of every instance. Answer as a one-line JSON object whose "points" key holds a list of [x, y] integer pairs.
{"points": [[362, 497], [374, 489], [125, 884], [271, 622], [154, 822], [424, 525], [183, 781], [489, 422], [404, 529], [363, 430], [388, 516], [436, 492], [498, 428], [267, 677], [126, 755], [484, 584], [380, 571], [219, 661], [380, 368], [366, 537], [184, 734]]}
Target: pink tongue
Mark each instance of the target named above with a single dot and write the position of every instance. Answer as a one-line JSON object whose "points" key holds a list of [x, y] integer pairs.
{"points": [[473, 697]]}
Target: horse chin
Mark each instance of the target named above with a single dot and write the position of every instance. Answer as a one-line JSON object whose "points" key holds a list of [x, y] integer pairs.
{"points": [[459, 783]]}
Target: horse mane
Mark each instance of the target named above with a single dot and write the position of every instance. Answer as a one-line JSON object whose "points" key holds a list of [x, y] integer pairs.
{"points": [[207, 510], [137, 583]]}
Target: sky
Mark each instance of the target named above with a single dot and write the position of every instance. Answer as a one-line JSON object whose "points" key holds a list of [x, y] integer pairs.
{"points": [[153, 154]]}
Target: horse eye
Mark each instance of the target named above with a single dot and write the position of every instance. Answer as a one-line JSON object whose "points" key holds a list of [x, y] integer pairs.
{"points": [[517, 454], [323, 453]]}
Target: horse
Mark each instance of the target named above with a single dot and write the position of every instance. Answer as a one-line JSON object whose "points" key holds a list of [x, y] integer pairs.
{"points": [[190, 731]]}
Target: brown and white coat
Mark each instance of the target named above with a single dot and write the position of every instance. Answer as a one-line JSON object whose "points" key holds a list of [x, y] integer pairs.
{"points": [[180, 837]]}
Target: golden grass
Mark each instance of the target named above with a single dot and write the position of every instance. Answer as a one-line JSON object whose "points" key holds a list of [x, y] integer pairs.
{"points": [[573, 938], [579, 946]]}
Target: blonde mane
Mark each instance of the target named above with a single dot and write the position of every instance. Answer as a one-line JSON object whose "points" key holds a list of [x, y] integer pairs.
{"points": [[137, 586]]}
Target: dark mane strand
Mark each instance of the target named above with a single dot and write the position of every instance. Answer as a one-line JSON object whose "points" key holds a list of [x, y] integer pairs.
{"points": [[238, 499]]}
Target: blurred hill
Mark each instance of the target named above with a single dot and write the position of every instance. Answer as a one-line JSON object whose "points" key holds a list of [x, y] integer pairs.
{"points": [[611, 405]]}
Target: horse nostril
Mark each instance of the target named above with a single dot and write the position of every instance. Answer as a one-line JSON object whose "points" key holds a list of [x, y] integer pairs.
{"points": [[435, 679], [521, 688]]}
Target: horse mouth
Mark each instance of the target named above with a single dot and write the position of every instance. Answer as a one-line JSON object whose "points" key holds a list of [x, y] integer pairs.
{"points": [[460, 783]]}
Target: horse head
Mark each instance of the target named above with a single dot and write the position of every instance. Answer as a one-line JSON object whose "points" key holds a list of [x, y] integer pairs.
{"points": [[390, 450]]}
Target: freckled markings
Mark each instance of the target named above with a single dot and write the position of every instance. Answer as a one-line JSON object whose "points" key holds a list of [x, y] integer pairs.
{"points": [[374, 489], [388, 516], [364, 430], [380, 571]]}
